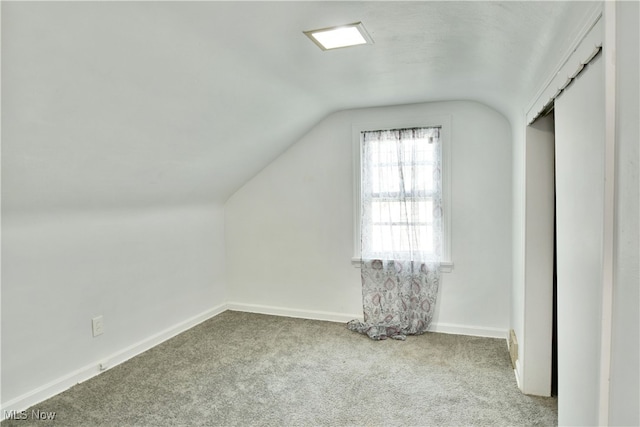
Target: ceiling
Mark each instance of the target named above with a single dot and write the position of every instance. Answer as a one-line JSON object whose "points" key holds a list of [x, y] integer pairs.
{"points": [[119, 104]]}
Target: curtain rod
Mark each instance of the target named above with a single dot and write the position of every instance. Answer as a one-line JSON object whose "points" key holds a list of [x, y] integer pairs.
{"points": [[400, 129]]}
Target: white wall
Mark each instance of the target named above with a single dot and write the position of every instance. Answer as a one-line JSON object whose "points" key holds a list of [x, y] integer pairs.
{"points": [[518, 244], [532, 280], [625, 359], [535, 351], [111, 190], [146, 271], [289, 230]]}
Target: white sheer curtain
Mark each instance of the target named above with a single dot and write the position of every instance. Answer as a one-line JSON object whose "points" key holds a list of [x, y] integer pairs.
{"points": [[401, 230]]}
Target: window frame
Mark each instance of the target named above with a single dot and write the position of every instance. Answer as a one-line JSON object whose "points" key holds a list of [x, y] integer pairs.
{"points": [[442, 121]]}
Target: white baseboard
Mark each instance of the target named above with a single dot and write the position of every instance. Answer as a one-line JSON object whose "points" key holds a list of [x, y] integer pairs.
{"points": [[291, 312], [474, 331], [445, 328], [63, 383], [517, 371]]}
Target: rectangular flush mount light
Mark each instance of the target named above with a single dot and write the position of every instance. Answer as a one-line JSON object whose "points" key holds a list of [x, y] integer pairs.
{"points": [[341, 36]]}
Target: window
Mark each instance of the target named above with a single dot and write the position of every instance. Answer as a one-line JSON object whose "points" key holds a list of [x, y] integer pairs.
{"points": [[402, 192]]}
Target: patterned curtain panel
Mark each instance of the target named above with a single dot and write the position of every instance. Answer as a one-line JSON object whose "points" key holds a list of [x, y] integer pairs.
{"points": [[401, 231]]}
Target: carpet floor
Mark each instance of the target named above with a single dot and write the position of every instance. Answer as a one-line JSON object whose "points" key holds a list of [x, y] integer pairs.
{"points": [[242, 369]]}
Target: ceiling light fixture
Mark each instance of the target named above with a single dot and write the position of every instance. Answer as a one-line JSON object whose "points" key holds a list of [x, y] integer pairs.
{"points": [[341, 36]]}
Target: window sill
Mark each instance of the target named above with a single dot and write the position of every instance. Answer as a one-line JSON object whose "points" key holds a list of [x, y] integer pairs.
{"points": [[445, 267]]}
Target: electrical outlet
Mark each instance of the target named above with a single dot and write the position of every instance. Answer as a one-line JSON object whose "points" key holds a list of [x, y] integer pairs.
{"points": [[97, 326]]}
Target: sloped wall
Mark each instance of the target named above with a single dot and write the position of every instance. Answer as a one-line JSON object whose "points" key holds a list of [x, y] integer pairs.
{"points": [[289, 231], [109, 190]]}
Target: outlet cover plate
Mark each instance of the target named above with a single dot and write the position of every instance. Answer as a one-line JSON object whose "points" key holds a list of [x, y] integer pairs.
{"points": [[97, 326]]}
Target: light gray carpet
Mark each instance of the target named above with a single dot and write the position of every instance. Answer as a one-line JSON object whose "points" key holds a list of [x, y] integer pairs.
{"points": [[241, 369]]}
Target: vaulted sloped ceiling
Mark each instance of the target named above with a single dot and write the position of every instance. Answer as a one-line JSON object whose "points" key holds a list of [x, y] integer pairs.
{"points": [[118, 104]]}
